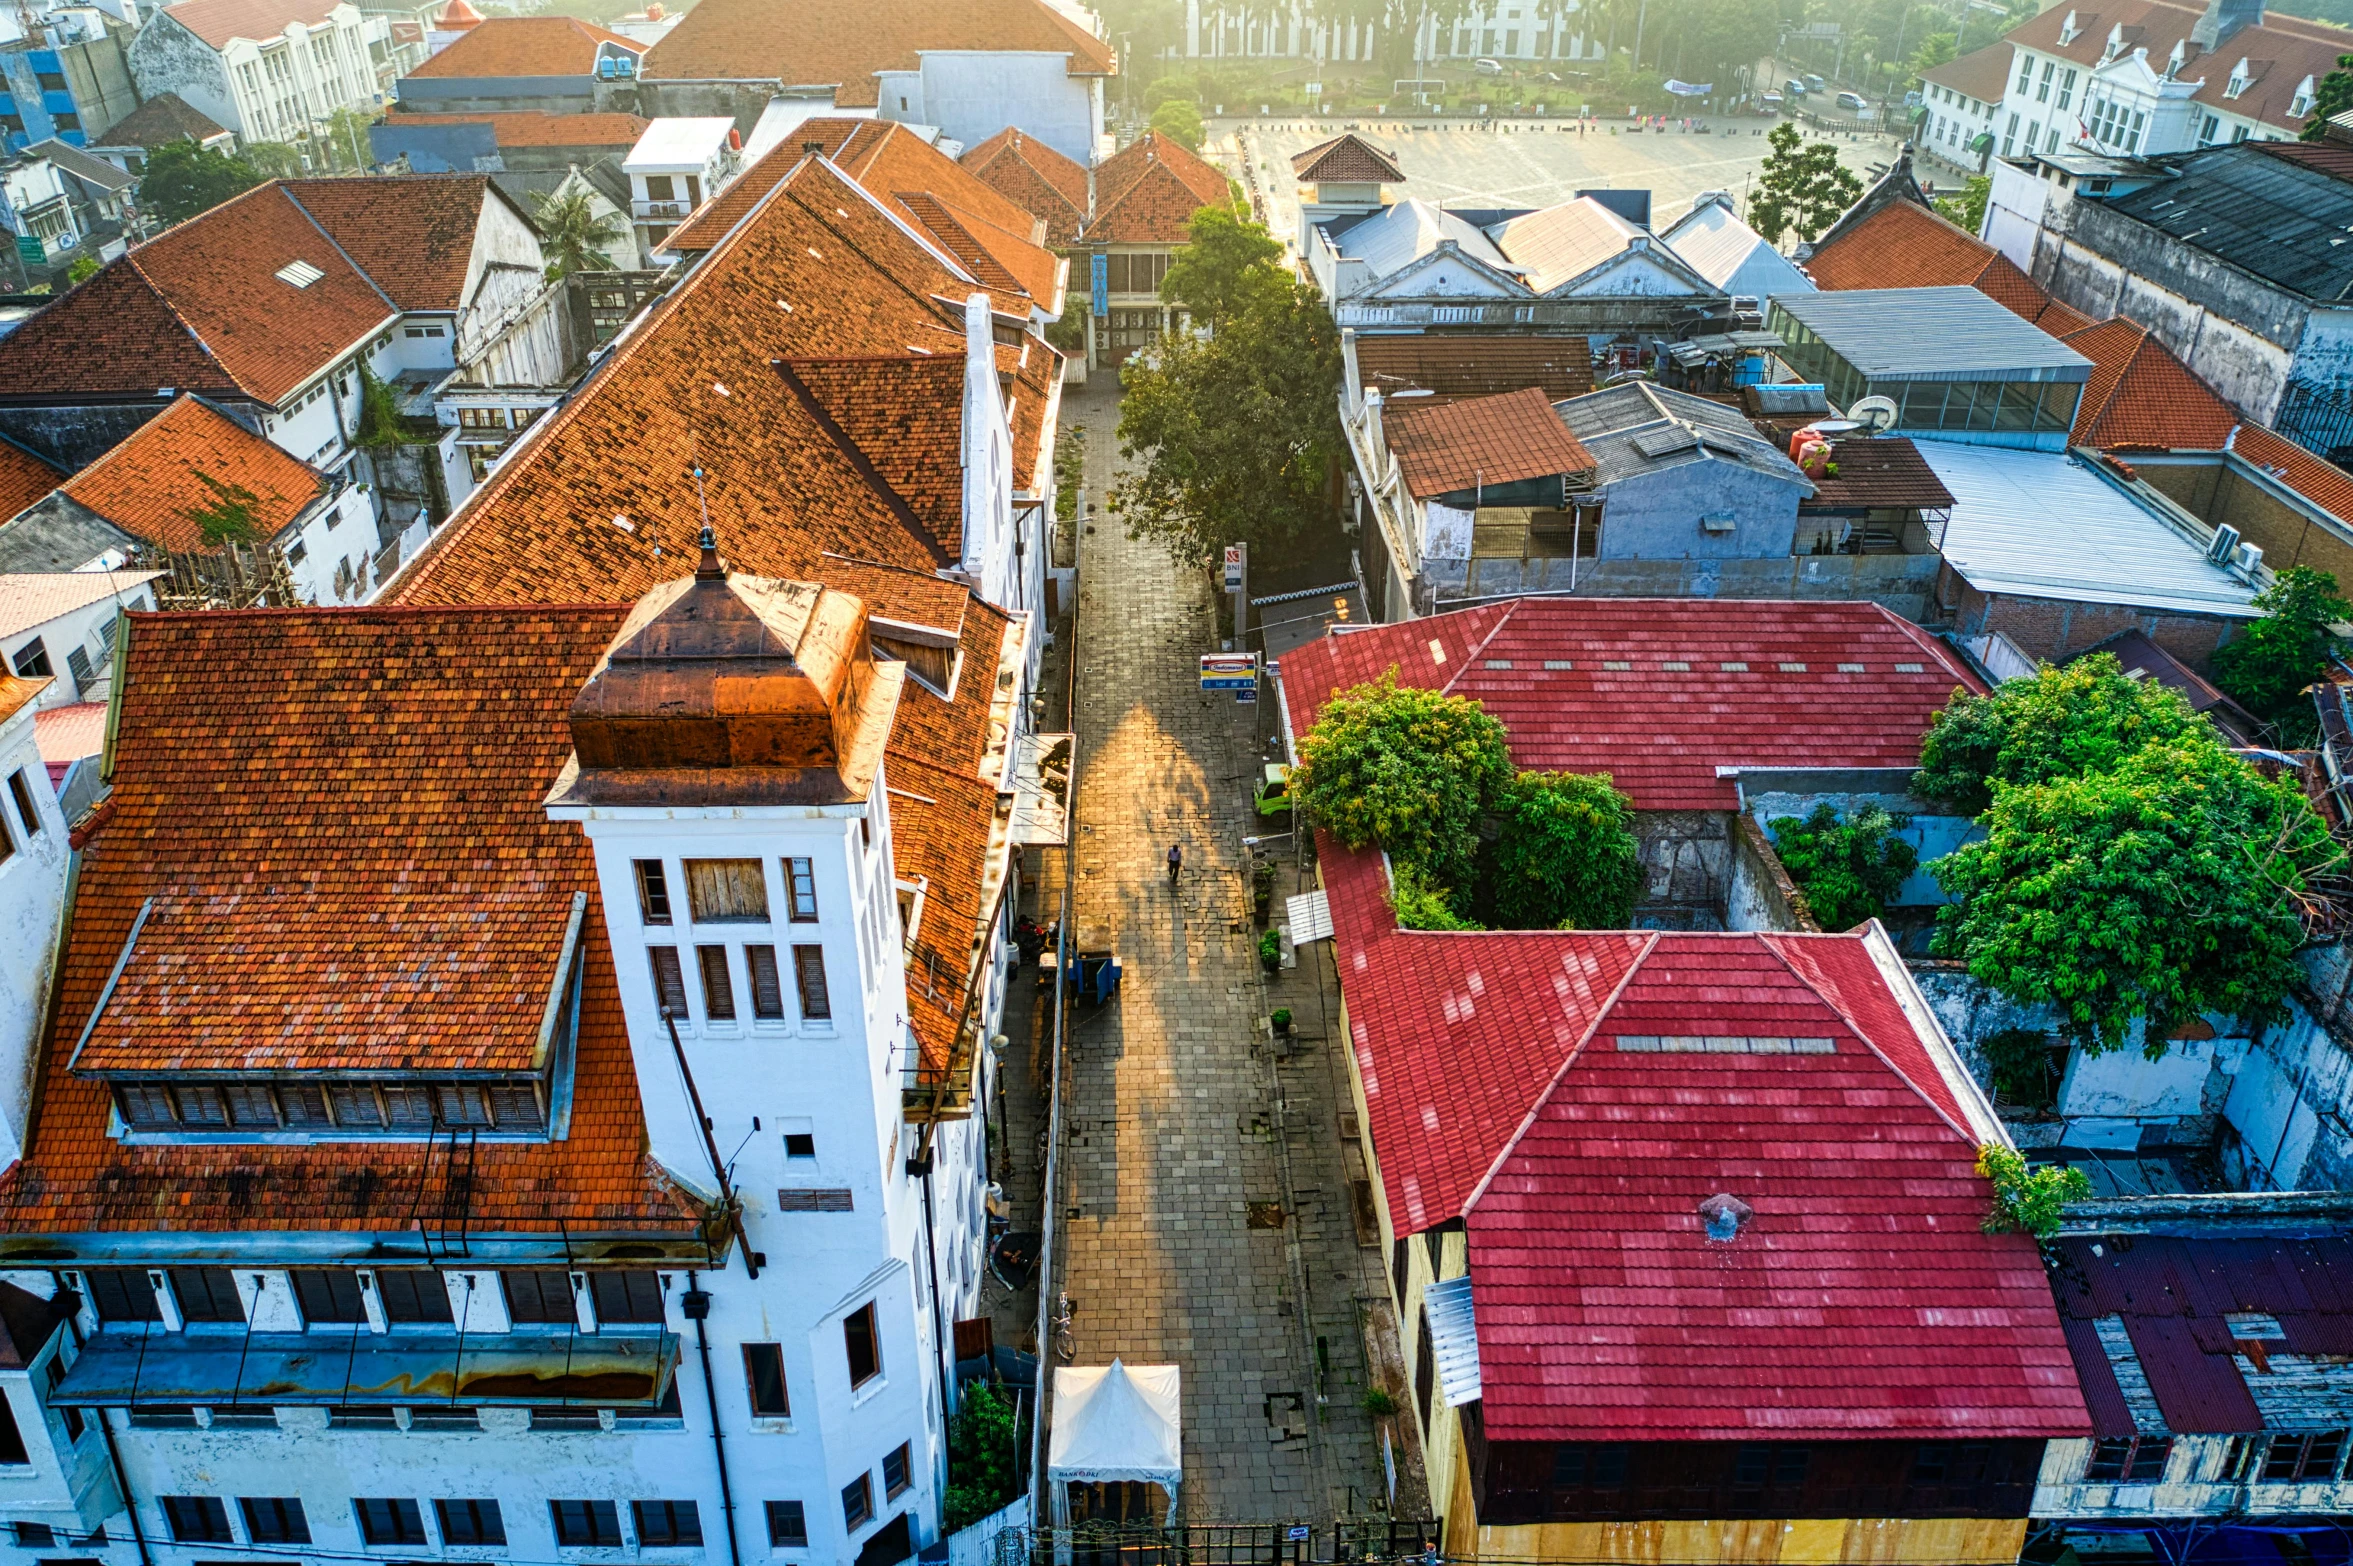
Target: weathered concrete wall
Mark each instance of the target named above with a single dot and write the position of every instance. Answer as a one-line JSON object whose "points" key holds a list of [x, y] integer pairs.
{"points": [[1904, 584], [499, 94], [167, 57], [2222, 493], [99, 73], [2057, 629], [1762, 896], [1656, 516], [742, 101], [1686, 868]]}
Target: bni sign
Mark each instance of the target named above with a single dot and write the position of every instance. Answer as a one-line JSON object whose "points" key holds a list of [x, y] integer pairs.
{"points": [[1233, 568], [1236, 671]]}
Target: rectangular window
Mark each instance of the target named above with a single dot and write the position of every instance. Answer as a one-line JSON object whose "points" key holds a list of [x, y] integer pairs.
{"points": [[666, 1525], [2042, 91], [809, 974], [460, 1104], [653, 892], [858, 1502], [669, 981], [897, 1472], [718, 989], [21, 792], [727, 891], [407, 1107], [32, 660], [630, 1295], [250, 1104], [274, 1519], [145, 1106], [862, 1344], [540, 1296], [2131, 1459], [515, 1105], [2066, 87], [328, 1295], [413, 1295], [767, 983], [2025, 70], [35, 1536], [582, 1525], [763, 1374], [196, 1519], [658, 188], [396, 1520], [122, 1294], [206, 1294], [472, 1523], [800, 1144], [802, 873], [12, 1441], [2296, 1458], [788, 1526]]}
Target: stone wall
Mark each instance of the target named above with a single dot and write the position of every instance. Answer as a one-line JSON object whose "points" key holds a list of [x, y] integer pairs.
{"points": [[1686, 868]]}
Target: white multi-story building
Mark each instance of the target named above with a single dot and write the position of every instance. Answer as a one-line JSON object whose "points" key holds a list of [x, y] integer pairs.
{"points": [[676, 166], [33, 860], [269, 70], [1502, 30]]}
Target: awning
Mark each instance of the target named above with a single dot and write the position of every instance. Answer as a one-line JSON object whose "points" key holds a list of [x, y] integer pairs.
{"points": [[1454, 1339], [603, 1370], [1309, 915], [1041, 789]]}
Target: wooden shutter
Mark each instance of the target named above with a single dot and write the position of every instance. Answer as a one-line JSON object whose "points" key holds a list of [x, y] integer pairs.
{"points": [[727, 891]]}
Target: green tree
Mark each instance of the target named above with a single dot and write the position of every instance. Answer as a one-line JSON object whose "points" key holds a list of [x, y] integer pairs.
{"points": [[2269, 667], [2169, 885], [2028, 1201], [1847, 868], [345, 140], [1227, 261], [1234, 436], [2058, 723], [1563, 855], [83, 269], [1965, 208], [1407, 770], [2332, 95], [275, 159], [983, 1445], [1180, 122], [183, 179], [1934, 50], [1802, 187], [232, 514], [573, 234]]}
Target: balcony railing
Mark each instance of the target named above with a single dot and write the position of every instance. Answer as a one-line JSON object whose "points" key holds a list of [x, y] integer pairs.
{"points": [[659, 209]]}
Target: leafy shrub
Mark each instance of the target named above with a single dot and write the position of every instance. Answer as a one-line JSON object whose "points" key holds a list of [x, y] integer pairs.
{"points": [[1564, 856], [2027, 1200], [1406, 769], [2025, 1068], [2268, 667], [1419, 905], [1848, 868], [984, 1439], [2057, 723]]}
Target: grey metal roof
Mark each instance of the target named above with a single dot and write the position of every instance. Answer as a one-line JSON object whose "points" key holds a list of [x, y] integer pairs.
{"points": [[1642, 428], [1933, 334], [2040, 524], [1454, 1339], [58, 533], [1713, 241], [1408, 230], [2271, 214], [72, 159]]}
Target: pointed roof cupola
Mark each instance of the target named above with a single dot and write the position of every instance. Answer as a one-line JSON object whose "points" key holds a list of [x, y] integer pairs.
{"points": [[457, 17]]}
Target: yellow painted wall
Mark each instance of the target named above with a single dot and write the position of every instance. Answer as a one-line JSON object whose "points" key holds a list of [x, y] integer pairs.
{"points": [[1800, 1542]]}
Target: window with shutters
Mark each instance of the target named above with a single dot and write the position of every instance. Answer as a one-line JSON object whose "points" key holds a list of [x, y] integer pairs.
{"points": [[809, 976], [718, 988], [669, 981], [77, 663], [653, 892], [539, 1295], [145, 1106], [200, 1106], [767, 983], [461, 1104], [763, 1372], [515, 1106], [407, 1106], [470, 1523], [727, 891], [666, 1525], [392, 1520], [413, 1296], [630, 1296], [122, 1294], [250, 1104], [206, 1294], [329, 1296], [858, 1502], [355, 1105]]}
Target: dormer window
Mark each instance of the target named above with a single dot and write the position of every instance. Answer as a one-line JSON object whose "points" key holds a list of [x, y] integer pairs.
{"points": [[2301, 105], [2173, 61], [2068, 30], [2115, 43], [2239, 82]]}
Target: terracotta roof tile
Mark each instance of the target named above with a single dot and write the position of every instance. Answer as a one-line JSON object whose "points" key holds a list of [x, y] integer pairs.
{"points": [[1981, 74], [1905, 245], [1034, 177], [906, 416], [18, 692], [2314, 477], [1347, 159], [1450, 367], [2140, 396], [24, 478], [218, 22], [842, 43], [149, 483], [1483, 441], [166, 117], [381, 755], [543, 130], [2281, 50], [523, 46], [1888, 471], [413, 236], [1147, 193]]}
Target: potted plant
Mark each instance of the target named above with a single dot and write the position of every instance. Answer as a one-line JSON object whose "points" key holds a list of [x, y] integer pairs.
{"points": [[1262, 890], [1270, 952], [1282, 1021]]}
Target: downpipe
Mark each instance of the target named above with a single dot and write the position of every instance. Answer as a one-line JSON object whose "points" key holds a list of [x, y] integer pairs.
{"points": [[697, 1305]]}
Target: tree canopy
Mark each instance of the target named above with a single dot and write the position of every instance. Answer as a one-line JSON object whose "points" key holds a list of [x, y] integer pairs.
{"points": [[1802, 187], [1179, 121], [1847, 867], [1226, 263], [2333, 94], [1966, 206], [2268, 668], [573, 235], [2062, 721], [183, 179], [1563, 855]]}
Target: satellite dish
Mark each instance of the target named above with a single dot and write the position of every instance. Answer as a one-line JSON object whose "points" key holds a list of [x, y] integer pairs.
{"points": [[1874, 413]]}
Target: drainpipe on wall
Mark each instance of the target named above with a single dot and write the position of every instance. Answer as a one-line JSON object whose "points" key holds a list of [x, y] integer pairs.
{"points": [[697, 1305]]}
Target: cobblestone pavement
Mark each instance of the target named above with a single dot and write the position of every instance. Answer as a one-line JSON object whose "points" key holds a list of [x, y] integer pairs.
{"points": [[1206, 1212]]}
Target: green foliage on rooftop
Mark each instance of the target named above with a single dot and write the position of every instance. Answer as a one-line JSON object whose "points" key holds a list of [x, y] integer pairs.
{"points": [[2269, 667], [1848, 867]]}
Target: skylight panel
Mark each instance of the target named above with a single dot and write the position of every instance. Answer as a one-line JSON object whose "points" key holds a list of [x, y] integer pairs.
{"points": [[300, 273]]}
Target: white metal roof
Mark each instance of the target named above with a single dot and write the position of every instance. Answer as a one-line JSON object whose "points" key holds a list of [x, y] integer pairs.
{"points": [[687, 143], [1454, 1339], [2040, 524], [1713, 242], [29, 599], [1404, 232]]}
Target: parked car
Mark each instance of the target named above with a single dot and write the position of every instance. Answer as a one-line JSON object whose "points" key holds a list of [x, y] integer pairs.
{"points": [[1852, 100], [1486, 67], [1813, 82], [1770, 103], [1794, 87]]}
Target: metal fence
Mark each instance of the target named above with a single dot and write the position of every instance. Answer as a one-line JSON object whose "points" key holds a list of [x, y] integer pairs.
{"points": [[1368, 1540]]}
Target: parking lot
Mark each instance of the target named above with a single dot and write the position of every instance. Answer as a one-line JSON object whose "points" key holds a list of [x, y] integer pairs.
{"points": [[1526, 163]]}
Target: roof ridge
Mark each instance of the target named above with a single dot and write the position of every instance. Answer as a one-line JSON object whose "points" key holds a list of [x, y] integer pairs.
{"points": [[164, 298], [348, 259], [948, 263], [859, 460], [1569, 1058], [1773, 940], [1472, 655]]}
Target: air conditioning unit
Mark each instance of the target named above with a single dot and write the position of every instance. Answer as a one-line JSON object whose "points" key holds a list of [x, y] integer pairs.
{"points": [[2226, 544], [2248, 560]]}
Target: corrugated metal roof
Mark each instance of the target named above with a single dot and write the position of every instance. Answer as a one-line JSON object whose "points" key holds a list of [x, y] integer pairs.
{"points": [[1454, 1339], [1933, 334], [1403, 233], [1638, 428], [1713, 242], [2039, 524], [2285, 221], [1566, 241]]}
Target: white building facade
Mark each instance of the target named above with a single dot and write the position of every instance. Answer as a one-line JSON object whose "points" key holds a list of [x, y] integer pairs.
{"points": [[271, 86], [1510, 30]]}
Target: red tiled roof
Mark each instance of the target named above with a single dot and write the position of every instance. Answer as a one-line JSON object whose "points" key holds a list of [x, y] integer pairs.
{"points": [[2141, 397], [1484, 440], [1034, 177], [218, 22], [379, 756], [164, 118], [1450, 367], [523, 46], [906, 416], [2314, 477], [24, 478], [1663, 732], [148, 484], [544, 130], [1981, 74], [413, 237], [1147, 193], [2280, 50], [842, 44], [1347, 159], [1887, 471]]}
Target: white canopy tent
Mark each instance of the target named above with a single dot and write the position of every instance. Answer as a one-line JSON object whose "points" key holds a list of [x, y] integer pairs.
{"points": [[1115, 1423]]}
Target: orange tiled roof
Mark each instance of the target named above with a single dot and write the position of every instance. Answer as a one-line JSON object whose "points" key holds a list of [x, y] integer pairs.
{"points": [[842, 43], [413, 237], [379, 757], [2318, 480], [24, 478], [1483, 440], [1147, 192], [218, 22], [1445, 367], [148, 483], [1346, 159], [1034, 177], [544, 130], [905, 415], [164, 118], [1906, 245], [523, 46], [2141, 397]]}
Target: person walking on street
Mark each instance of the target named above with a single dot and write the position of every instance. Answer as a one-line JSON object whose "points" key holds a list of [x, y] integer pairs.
{"points": [[1176, 861]]}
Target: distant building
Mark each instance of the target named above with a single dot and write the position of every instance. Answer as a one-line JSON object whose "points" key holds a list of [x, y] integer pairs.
{"points": [[1959, 104], [494, 143], [521, 64], [60, 627], [33, 874], [161, 120], [269, 70], [69, 83], [675, 167], [1534, 31]]}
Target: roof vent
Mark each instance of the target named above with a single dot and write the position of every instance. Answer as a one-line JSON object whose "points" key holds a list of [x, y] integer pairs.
{"points": [[1724, 1215], [300, 273]]}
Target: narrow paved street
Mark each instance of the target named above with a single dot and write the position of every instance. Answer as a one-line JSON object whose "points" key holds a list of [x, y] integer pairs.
{"points": [[1206, 1198]]}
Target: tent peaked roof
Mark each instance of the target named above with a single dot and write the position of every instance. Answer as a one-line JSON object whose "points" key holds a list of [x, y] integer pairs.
{"points": [[1114, 1422]]}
